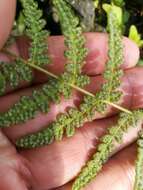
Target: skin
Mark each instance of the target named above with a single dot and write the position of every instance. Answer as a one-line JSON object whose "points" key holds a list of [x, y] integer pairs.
{"points": [[56, 165]]}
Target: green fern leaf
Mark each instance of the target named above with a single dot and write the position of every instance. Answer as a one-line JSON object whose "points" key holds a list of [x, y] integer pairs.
{"points": [[35, 30], [28, 106], [76, 52], [106, 147], [14, 73]]}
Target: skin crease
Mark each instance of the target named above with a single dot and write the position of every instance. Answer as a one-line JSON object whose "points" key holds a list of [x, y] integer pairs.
{"points": [[57, 164]]}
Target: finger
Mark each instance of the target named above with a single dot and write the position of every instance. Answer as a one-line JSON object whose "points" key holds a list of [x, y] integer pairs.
{"points": [[118, 173], [7, 13], [137, 87], [41, 120], [14, 173], [54, 165], [97, 43]]}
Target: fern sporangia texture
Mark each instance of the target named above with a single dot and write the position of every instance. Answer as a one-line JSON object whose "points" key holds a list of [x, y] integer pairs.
{"points": [[28, 106], [76, 52], [75, 117], [13, 74], [66, 124], [35, 31]]}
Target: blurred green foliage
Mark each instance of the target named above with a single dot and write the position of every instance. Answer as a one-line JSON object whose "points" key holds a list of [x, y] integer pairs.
{"points": [[92, 15]]}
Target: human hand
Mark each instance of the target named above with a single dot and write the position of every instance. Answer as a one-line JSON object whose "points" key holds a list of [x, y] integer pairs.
{"points": [[57, 164]]}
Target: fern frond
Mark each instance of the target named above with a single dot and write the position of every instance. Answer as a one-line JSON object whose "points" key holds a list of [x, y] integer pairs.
{"points": [[139, 164], [14, 73], [72, 76], [35, 31], [75, 42], [106, 147], [75, 118]]}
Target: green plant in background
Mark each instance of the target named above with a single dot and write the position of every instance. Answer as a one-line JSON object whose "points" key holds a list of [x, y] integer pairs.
{"points": [[70, 13], [135, 36]]}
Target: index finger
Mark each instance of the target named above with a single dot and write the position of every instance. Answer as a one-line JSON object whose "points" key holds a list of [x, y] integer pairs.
{"points": [[7, 14], [97, 45]]}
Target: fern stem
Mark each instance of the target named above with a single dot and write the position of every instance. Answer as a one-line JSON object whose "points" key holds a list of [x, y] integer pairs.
{"points": [[42, 70], [118, 107], [83, 91]]}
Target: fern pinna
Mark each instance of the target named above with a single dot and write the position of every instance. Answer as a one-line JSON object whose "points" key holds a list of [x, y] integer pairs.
{"points": [[75, 42], [36, 32], [28, 106]]}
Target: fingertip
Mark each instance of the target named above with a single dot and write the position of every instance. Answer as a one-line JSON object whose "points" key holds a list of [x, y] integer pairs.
{"points": [[97, 44], [131, 53], [7, 14]]}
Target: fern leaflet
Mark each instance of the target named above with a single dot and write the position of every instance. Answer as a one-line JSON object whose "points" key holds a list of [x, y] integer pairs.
{"points": [[14, 73], [76, 52], [28, 106], [106, 147], [35, 31]]}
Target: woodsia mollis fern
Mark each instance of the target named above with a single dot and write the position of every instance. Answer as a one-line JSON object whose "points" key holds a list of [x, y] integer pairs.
{"points": [[28, 106]]}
